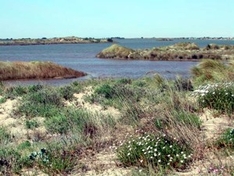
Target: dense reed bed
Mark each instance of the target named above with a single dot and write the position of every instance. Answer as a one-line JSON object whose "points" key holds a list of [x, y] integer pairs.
{"points": [[35, 70]]}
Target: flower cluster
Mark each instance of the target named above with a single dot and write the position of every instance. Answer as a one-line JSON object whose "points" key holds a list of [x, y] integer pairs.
{"points": [[204, 89], [153, 150], [217, 96], [216, 170]]}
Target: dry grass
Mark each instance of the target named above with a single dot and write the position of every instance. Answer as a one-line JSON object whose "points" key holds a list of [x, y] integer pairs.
{"points": [[35, 70], [110, 121], [213, 71]]}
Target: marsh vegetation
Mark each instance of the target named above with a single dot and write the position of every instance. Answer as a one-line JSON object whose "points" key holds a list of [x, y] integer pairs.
{"points": [[35, 70], [147, 126]]}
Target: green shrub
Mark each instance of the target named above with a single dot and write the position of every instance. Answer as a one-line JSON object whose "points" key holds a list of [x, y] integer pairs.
{"points": [[66, 92], [13, 92], [156, 151], [45, 96], [10, 161], [67, 121], [45, 103], [3, 100], [31, 124], [106, 90], [24, 145], [217, 96], [35, 88], [226, 139], [58, 124], [30, 109], [55, 161]]}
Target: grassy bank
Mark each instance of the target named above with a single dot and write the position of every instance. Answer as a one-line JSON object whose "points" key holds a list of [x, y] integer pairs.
{"points": [[35, 70], [150, 126]]}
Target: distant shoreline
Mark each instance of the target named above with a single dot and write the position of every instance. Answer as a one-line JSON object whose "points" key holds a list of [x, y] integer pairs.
{"points": [[182, 38], [50, 41]]}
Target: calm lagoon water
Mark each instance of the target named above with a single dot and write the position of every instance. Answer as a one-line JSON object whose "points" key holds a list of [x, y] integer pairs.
{"points": [[82, 57]]}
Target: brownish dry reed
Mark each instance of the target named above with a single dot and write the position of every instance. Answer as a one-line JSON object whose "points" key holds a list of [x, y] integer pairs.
{"points": [[35, 70]]}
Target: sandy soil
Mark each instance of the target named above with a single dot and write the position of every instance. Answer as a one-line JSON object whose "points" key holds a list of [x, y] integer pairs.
{"points": [[104, 163], [213, 125], [16, 126]]}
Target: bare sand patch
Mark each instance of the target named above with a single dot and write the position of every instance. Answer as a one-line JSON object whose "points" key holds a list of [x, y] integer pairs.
{"points": [[94, 108], [16, 126]]}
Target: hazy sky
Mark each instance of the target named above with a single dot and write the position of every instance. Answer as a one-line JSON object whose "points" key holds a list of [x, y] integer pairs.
{"points": [[109, 18]]}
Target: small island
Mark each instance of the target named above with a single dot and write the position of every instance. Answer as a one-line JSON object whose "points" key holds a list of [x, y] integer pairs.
{"points": [[179, 51], [55, 40], [36, 70]]}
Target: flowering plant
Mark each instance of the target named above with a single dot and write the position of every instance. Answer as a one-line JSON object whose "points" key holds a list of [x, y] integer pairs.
{"points": [[227, 139], [157, 151], [216, 96]]}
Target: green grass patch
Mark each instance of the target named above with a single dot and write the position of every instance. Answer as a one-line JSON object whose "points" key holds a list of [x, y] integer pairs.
{"points": [[5, 136]]}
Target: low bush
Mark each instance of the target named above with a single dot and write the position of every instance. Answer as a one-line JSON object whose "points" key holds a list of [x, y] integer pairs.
{"points": [[67, 121], [58, 124], [35, 88], [216, 96], [31, 124], [3, 100], [45, 96], [226, 139], [106, 90], [10, 161], [13, 92], [154, 150], [30, 109], [67, 92], [24, 145], [55, 161]]}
